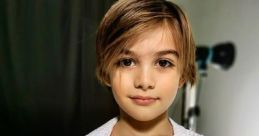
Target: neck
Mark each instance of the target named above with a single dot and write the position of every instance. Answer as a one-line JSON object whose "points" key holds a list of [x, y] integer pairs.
{"points": [[129, 126]]}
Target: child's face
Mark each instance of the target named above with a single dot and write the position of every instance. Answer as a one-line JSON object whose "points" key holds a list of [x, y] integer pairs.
{"points": [[146, 78]]}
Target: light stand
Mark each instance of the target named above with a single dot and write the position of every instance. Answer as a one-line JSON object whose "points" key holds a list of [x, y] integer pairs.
{"points": [[220, 56]]}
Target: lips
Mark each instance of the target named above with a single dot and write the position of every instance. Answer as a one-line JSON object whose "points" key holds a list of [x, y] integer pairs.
{"points": [[143, 100]]}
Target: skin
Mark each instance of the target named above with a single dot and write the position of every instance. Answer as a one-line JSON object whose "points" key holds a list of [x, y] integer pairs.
{"points": [[148, 68]]}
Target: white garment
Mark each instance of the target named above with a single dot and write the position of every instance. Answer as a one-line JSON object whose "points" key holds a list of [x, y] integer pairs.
{"points": [[106, 129]]}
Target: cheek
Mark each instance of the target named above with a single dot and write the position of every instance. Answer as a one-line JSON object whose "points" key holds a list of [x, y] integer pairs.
{"points": [[168, 85], [169, 80], [169, 89], [120, 81]]}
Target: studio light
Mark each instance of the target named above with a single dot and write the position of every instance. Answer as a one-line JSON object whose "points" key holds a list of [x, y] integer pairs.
{"points": [[220, 55]]}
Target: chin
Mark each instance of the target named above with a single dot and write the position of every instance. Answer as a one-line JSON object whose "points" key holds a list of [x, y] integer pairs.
{"points": [[144, 117]]}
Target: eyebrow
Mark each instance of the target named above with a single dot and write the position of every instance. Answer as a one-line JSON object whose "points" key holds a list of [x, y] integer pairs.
{"points": [[159, 53], [170, 51]]}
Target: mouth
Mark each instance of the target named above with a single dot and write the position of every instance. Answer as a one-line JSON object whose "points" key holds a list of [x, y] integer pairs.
{"points": [[143, 100]]}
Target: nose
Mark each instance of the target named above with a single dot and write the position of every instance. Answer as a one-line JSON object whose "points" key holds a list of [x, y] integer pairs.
{"points": [[144, 79]]}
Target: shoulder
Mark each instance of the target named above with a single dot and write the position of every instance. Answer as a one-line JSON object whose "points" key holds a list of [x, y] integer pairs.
{"points": [[181, 131], [105, 129]]}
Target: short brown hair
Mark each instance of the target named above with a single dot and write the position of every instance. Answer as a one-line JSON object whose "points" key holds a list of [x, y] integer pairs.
{"points": [[127, 19]]}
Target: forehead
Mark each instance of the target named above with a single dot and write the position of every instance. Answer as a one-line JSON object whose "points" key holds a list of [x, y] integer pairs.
{"points": [[157, 39]]}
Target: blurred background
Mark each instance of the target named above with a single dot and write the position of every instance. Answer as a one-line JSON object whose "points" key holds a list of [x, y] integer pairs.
{"points": [[228, 99], [47, 72], [47, 67]]}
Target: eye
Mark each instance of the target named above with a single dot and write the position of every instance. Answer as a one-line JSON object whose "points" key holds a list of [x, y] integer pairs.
{"points": [[165, 63], [126, 62]]}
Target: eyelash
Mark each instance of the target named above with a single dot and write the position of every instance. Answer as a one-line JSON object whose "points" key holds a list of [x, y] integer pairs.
{"points": [[122, 63], [168, 64]]}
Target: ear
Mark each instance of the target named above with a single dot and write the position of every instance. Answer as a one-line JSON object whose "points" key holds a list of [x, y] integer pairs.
{"points": [[181, 82], [108, 84]]}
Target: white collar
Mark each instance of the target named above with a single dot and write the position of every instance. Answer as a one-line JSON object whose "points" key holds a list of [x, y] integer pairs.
{"points": [[106, 129]]}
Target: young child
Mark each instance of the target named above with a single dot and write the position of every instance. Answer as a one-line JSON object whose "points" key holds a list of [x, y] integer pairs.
{"points": [[145, 53]]}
